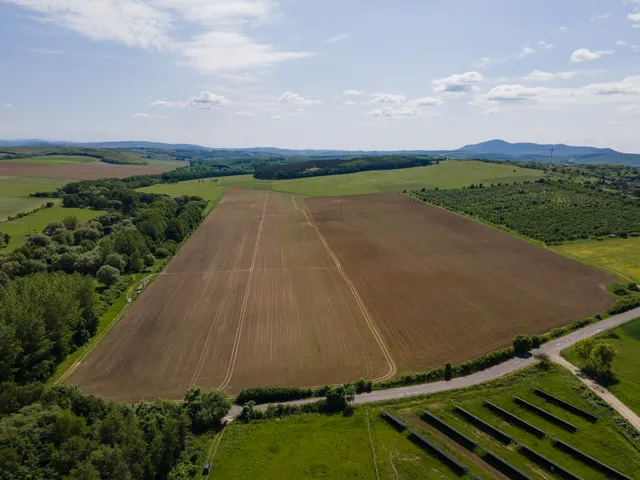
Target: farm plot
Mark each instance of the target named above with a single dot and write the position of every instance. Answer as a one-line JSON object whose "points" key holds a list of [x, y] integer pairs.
{"points": [[82, 171], [254, 298], [443, 288]]}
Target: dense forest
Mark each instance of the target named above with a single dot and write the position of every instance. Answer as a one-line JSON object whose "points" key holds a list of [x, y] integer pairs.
{"points": [[53, 290], [315, 168], [552, 212]]}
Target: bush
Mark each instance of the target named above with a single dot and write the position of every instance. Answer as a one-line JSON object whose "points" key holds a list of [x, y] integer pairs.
{"points": [[522, 344], [362, 386], [272, 394], [448, 371], [108, 275], [206, 409], [626, 303], [339, 397]]}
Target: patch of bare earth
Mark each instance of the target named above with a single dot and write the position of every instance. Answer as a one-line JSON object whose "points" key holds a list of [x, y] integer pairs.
{"points": [[443, 288], [80, 171]]}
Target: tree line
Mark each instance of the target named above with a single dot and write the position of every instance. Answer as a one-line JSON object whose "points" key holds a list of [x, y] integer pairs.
{"points": [[101, 154], [320, 167]]}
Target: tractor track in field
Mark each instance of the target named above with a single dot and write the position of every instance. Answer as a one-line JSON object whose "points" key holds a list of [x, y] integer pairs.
{"points": [[393, 369]]}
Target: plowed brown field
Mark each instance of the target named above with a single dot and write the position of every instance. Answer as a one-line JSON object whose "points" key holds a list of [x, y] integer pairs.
{"points": [[254, 298], [443, 288], [80, 171], [277, 290]]}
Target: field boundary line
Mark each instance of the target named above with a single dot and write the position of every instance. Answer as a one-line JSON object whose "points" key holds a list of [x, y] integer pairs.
{"points": [[373, 450], [245, 301], [372, 326]]}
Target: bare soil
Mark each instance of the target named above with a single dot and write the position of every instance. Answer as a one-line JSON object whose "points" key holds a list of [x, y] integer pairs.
{"points": [[444, 288], [80, 171], [253, 298], [277, 290]]}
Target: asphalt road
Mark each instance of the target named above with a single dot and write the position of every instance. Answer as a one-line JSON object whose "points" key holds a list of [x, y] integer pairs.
{"points": [[552, 348]]}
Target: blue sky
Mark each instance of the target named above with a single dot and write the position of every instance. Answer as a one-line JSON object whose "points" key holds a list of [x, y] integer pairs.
{"points": [[352, 74]]}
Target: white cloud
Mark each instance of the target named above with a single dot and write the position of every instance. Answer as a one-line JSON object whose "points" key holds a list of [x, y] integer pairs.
{"points": [[244, 114], [600, 18], [622, 43], [491, 111], [387, 98], [7, 105], [140, 115], [546, 45], [563, 29], [392, 112], [276, 117], [426, 102], [458, 83], [290, 97], [634, 17], [300, 113], [47, 51], [349, 102], [204, 100], [584, 55], [226, 51], [352, 93], [538, 76], [222, 45], [526, 51], [589, 94], [513, 93], [337, 38]]}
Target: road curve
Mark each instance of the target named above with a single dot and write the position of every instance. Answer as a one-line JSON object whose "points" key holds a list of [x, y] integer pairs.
{"points": [[552, 348]]}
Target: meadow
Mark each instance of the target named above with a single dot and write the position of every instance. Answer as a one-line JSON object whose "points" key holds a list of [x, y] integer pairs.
{"points": [[20, 228], [14, 193], [448, 174], [620, 256], [207, 189], [321, 446], [626, 364]]}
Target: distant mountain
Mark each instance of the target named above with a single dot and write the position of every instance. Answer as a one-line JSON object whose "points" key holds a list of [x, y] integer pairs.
{"points": [[491, 150], [501, 150]]}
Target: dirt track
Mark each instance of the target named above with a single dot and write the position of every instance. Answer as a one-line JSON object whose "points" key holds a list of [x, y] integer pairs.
{"points": [[443, 288], [268, 293], [79, 171], [252, 299]]}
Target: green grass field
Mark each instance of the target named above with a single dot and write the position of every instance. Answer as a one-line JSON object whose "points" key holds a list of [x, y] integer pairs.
{"points": [[626, 365], [207, 189], [321, 446], [55, 160], [35, 223], [14, 193], [620, 256], [449, 174]]}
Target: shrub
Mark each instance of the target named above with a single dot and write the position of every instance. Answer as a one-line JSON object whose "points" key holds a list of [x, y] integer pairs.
{"points": [[522, 344], [272, 394], [339, 397], [362, 386], [206, 409], [448, 371], [108, 275]]}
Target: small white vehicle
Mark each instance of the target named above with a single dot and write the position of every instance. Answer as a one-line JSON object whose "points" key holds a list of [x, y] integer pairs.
{"points": [[129, 300]]}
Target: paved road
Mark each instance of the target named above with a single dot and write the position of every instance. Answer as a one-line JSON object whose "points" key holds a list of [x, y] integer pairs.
{"points": [[599, 390], [552, 348]]}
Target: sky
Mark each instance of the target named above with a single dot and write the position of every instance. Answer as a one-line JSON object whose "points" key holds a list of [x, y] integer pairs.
{"points": [[332, 74]]}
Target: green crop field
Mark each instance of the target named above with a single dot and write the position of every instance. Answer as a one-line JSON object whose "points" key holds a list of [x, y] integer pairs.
{"points": [[448, 174], [207, 189], [322, 446], [620, 256], [54, 160], [14, 193], [626, 364], [35, 223]]}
